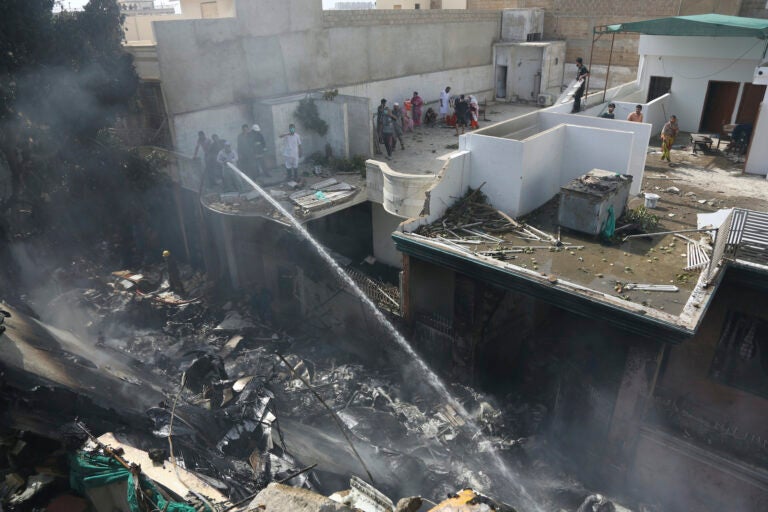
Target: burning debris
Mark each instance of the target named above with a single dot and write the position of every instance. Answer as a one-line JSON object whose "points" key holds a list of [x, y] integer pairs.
{"points": [[210, 397]]}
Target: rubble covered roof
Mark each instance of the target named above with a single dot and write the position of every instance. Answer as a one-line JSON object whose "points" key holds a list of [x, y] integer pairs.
{"points": [[643, 278]]}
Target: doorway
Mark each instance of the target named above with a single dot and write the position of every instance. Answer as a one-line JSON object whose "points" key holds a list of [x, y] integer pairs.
{"points": [[751, 97], [501, 81], [718, 106], [659, 86]]}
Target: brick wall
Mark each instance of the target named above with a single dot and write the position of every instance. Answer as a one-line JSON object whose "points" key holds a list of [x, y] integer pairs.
{"points": [[574, 21], [753, 9], [401, 17]]}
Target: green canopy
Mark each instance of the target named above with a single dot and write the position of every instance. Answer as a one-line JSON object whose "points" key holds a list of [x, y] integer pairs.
{"points": [[708, 25]]}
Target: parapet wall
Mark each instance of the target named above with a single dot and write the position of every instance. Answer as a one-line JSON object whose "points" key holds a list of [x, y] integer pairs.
{"points": [[366, 18]]}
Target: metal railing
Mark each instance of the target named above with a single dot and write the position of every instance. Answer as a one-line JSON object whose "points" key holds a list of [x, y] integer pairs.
{"points": [[385, 296]]}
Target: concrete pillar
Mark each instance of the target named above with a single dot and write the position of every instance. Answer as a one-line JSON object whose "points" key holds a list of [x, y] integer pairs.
{"points": [[405, 290], [757, 159], [641, 371]]}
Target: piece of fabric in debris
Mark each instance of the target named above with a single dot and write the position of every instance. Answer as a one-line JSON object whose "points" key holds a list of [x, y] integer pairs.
{"points": [[90, 470], [609, 228]]}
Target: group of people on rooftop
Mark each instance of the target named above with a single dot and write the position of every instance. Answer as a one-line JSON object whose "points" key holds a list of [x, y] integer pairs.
{"points": [[668, 132], [249, 156], [392, 123]]}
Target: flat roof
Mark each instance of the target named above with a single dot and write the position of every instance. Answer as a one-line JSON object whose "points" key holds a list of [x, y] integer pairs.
{"points": [[588, 277]]}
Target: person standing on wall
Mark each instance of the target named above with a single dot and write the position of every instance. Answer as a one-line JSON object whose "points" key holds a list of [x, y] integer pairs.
{"points": [[637, 115], [291, 152], [668, 134], [581, 76], [416, 104], [445, 103]]}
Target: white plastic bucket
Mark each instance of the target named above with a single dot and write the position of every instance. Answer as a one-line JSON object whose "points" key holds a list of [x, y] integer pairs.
{"points": [[651, 200]]}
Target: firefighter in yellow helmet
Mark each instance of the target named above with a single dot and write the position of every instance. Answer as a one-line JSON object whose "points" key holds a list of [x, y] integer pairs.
{"points": [[174, 278]]}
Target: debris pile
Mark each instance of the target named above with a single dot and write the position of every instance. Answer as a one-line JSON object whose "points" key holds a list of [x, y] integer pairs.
{"points": [[473, 226]]}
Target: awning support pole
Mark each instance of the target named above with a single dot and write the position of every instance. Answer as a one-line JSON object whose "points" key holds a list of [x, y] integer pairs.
{"points": [[608, 71], [595, 36]]}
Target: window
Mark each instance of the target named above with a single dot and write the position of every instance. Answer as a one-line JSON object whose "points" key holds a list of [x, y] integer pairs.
{"points": [[741, 356], [417, 6], [658, 86], [533, 36]]}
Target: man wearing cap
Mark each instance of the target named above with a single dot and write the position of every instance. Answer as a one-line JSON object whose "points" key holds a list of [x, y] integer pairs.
{"points": [[581, 76], [609, 113], [261, 148], [291, 152]]}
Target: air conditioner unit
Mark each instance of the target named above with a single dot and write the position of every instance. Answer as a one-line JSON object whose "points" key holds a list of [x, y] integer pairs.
{"points": [[545, 100], [761, 74]]}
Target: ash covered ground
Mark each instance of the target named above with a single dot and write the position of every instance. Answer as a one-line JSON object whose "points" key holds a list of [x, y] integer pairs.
{"points": [[243, 418]]}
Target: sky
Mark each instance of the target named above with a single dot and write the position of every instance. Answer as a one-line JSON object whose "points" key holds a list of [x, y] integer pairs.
{"points": [[78, 4]]}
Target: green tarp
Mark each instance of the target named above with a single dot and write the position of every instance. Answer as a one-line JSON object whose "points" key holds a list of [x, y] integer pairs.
{"points": [[708, 25], [90, 470]]}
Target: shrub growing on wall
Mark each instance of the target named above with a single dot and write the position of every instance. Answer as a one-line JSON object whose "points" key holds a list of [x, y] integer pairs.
{"points": [[307, 114]]}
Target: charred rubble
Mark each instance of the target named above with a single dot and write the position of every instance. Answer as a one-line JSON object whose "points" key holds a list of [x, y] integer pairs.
{"points": [[201, 383]]}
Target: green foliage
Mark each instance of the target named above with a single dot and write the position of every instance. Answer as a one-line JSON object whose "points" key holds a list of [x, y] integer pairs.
{"points": [[645, 220], [306, 113], [64, 80]]}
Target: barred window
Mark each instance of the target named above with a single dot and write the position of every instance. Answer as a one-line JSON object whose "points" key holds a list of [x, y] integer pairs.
{"points": [[741, 357]]}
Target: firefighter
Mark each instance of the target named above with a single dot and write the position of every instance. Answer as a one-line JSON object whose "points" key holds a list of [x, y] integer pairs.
{"points": [[174, 279]]}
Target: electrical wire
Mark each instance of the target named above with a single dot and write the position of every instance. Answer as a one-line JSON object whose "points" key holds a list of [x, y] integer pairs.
{"points": [[734, 61]]}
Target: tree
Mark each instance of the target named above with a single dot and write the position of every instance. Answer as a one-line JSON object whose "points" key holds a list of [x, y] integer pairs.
{"points": [[64, 79]]}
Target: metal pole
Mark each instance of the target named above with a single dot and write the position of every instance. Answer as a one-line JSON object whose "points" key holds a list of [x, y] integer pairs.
{"points": [[591, 51], [608, 71]]}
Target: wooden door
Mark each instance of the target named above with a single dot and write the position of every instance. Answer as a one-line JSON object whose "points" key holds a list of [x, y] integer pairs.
{"points": [[750, 103], [718, 106]]}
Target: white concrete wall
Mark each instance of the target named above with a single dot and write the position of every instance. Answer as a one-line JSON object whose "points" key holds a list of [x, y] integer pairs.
{"points": [[543, 156], [384, 224], [516, 24], [499, 164], [598, 150], [400, 194], [280, 47], [475, 80], [453, 181], [692, 62]]}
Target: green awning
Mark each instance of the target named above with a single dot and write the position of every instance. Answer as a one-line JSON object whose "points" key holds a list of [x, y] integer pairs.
{"points": [[707, 25]]}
